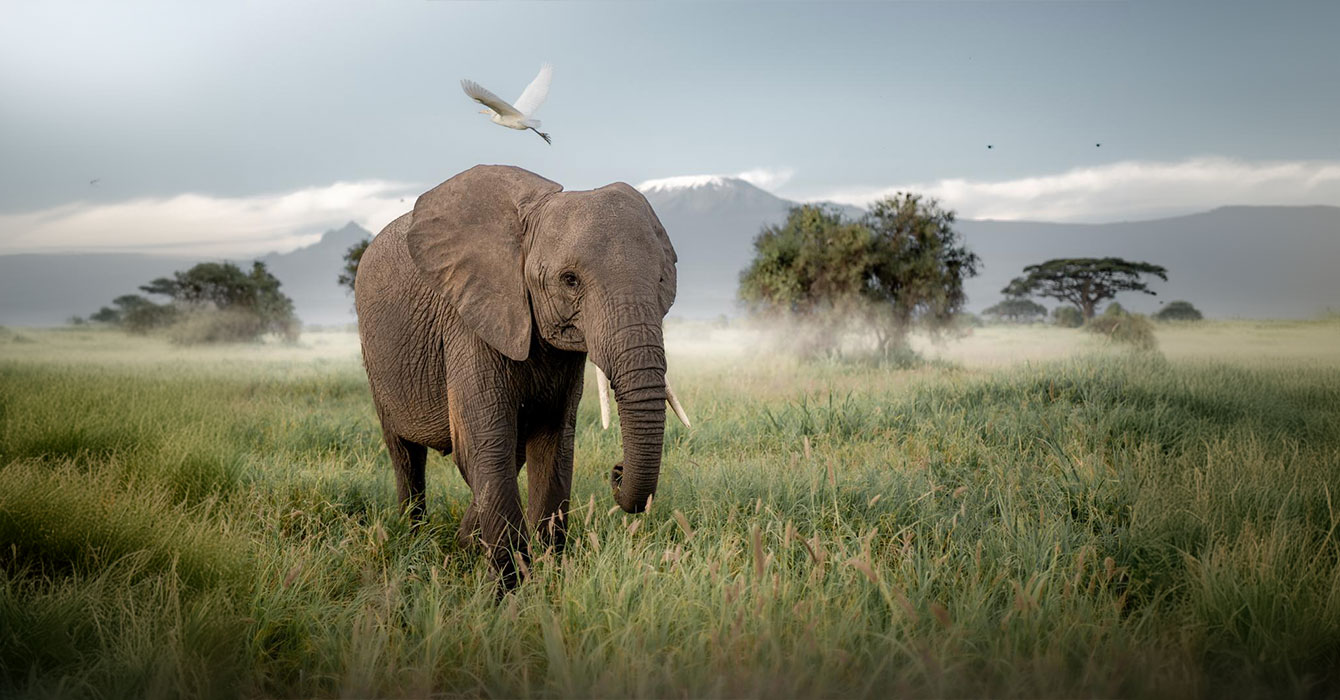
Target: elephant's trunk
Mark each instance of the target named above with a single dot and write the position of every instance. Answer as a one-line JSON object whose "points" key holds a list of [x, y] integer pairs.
{"points": [[635, 358]]}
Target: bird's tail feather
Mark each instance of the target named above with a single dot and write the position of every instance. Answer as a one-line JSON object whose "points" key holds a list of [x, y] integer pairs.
{"points": [[531, 123]]}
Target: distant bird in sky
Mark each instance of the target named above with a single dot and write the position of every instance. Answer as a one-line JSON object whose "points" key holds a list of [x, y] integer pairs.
{"points": [[1098, 145], [95, 181], [988, 147], [515, 116]]}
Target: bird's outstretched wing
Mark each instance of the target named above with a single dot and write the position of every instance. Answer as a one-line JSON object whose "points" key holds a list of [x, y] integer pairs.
{"points": [[488, 99], [534, 95]]}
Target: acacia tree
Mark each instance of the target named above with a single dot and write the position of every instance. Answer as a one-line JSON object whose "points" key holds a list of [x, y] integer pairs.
{"points": [[352, 256], [1084, 282], [901, 263]]}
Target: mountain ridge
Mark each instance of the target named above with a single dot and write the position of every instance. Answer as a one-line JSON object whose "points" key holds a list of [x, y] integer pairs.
{"points": [[1233, 260]]}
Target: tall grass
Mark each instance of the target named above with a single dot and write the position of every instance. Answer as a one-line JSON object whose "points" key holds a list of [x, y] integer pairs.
{"points": [[1103, 525]]}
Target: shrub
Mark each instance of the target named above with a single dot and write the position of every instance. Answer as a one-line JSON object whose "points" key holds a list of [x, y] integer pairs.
{"points": [[1114, 309], [1017, 310], [1127, 329], [1067, 317], [1178, 311], [226, 326]]}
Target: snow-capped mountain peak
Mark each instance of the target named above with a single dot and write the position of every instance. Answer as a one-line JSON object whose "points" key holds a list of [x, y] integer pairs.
{"points": [[688, 182]]}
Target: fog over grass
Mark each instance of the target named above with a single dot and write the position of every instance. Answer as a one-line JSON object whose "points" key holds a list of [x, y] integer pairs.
{"points": [[1032, 513]]}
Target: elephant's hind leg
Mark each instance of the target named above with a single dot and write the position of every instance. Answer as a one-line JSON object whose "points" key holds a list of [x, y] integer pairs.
{"points": [[408, 459]]}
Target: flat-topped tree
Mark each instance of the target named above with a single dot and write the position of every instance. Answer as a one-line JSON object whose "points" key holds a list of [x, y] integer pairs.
{"points": [[1084, 282]]}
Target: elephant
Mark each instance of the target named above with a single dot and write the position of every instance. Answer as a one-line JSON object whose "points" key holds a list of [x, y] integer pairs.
{"points": [[477, 311]]}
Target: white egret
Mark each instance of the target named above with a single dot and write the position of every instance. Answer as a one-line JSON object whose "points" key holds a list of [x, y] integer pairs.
{"points": [[518, 115]]}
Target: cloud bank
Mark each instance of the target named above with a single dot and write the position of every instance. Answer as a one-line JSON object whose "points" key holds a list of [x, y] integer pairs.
{"points": [[205, 224], [1124, 191]]}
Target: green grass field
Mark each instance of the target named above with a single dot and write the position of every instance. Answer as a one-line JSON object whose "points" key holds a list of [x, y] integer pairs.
{"points": [[1030, 515]]}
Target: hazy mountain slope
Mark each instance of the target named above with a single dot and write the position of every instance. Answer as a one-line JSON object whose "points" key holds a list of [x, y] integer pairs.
{"points": [[712, 226], [46, 289], [309, 276], [1232, 261], [712, 220]]}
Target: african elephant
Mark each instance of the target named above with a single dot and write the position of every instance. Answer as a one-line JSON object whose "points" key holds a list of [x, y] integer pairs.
{"points": [[476, 312]]}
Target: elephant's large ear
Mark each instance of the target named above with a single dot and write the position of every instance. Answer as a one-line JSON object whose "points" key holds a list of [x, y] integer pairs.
{"points": [[467, 239], [669, 283]]}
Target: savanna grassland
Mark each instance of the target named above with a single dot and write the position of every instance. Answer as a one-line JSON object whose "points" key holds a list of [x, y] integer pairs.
{"points": [[1031, 514]]}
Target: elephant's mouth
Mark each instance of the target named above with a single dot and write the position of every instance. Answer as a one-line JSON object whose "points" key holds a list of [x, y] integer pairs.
{"points": [[565, 335]]}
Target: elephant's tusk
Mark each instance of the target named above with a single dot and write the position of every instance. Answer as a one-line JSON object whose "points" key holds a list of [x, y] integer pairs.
{"points": [[603, 389], [674, 405]]}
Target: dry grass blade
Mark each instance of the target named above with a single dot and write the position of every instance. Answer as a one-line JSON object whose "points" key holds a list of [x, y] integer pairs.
{"points": [[756, 544], [941, 615], [292, 574], [684, 525], [633, 526], [864, 567]]}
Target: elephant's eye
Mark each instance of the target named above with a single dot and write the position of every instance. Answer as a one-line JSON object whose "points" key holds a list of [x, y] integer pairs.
{"points": [[569, 279]]}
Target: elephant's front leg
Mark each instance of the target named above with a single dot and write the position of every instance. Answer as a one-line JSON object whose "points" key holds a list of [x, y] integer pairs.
{"points": [[485, 440], [549, 483]]}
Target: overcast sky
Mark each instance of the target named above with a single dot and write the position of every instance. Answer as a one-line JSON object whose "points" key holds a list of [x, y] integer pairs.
{"points": [[237, 127]]}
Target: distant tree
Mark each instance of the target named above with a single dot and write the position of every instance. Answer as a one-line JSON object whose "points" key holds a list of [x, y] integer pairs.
{"points": [[1084, 282], [225, 287], [920, 264], [901, 263], [139, 315], [76, 321], [1178, 311], [1017, 310], [1067, 316], [351, 260], [106, 315]]}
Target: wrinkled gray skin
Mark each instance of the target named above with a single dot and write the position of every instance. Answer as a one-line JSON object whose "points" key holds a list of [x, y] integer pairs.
{"points": [[476, 312]]}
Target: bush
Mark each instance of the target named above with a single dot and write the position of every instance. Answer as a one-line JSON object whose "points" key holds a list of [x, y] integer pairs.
{"points": [[1114, 309], [227, 326], [1067, 317], [1127, 329], [1178, 311], [147, 316], [1017, 310]]}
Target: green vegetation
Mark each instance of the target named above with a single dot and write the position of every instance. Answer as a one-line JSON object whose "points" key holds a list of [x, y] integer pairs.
{"points": [[899, 265], [1016, 310], [1067, 316], [223, 523], [1122, 327], [209, 303], [1178, 311], [351, 257], [1084, 282]]}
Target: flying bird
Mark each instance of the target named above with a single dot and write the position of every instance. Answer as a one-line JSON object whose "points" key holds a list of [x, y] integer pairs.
{"points": [[519, 114]]}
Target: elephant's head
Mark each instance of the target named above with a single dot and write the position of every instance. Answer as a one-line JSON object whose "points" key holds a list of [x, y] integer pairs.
{"points": [[587, 271]]}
